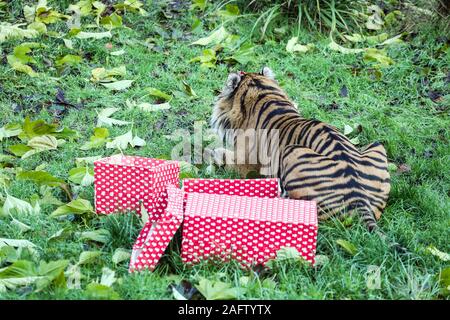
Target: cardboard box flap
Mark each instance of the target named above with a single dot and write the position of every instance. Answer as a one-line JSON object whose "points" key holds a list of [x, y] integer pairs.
{"points": [[156, 235]]}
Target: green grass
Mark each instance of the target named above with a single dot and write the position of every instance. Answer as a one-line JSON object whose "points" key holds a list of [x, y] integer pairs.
{"points": [[395, 110]]}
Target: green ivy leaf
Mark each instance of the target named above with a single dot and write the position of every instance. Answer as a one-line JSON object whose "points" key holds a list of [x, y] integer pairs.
{"points": [[214, 38], [158, 93], [40, 177], [217, 290], [98, 139], [83, 176], [78, 206], [120, 255], [118, 85], [93, 35], [99, 235], [13, 205], [10, 130], [68, 59], [99, 291], [87, 257]]}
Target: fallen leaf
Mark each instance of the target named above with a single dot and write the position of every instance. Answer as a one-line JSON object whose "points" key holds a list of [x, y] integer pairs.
{"points": [[347, 129], [68, 43], [217, 290], [83, 176], [438, 253], [112, 21], [60, 234], [121, 142], [293, 46], [10, 130], [40, 177], [214, 38], [11, 32], [78, 206], [99, 291], [20, 225], [374, 21], [84, 161], [159, 94], [393, 40], [108, 277], [104, 119], [243, 55], [355, 141], [68, 59], [108, 75], [14, 205], [321, 260], [99, 235], [19, 243], [99, 138], [208, 59], [377, 55], [118, 85], [231, 11], [444, 281], [131, 6], [188, 90], [336, 47], [93, 35], [347, 246], [120, 255], [88, 257]]}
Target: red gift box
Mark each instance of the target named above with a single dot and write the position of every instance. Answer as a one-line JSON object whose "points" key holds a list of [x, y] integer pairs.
{"points": [[239, 219], [156, 236], [250, 187], [248, 229], [124, 182]]}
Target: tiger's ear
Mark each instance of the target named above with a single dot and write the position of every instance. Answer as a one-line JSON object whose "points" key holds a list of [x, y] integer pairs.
{"points": [[267, 72], [233, 81]]}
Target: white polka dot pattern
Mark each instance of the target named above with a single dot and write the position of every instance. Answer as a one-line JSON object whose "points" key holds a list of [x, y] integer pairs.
{"points": [[156, 235], [123, 182], [248, 229], [226, 219]]}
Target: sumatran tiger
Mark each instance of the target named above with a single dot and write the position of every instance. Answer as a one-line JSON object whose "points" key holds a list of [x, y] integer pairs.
{"points": [[316, 161]]}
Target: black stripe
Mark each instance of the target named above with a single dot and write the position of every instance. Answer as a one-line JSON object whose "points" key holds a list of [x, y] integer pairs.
{"points": [[306, 185], [242, 104], [265, 106], [262, 86]]}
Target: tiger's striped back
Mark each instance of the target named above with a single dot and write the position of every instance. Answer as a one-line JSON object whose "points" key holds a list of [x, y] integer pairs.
{"points": [[316, 162]]}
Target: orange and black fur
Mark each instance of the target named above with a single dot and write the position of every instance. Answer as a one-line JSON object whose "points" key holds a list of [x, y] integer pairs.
{"points": [[316, 162]]}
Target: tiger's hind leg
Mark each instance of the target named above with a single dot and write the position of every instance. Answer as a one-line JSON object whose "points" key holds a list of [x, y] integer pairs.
{"points": [[305, 173], [377, 175]]}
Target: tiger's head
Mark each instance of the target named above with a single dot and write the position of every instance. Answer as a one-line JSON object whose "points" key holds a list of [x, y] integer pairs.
{"points": [[240, 92]]}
